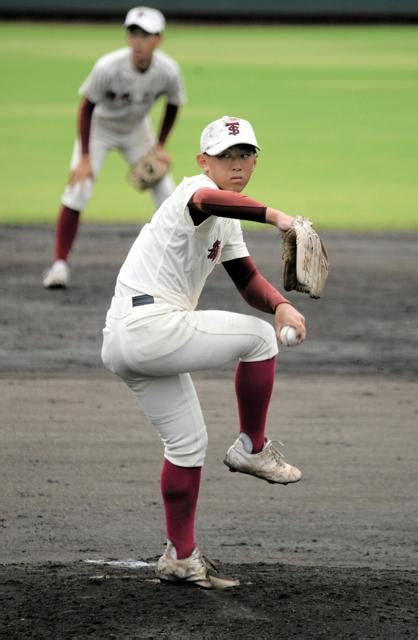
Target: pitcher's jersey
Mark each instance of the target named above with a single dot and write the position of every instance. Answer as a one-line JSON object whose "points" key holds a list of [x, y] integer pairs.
{"points": [[172, 258], [123, 95]]}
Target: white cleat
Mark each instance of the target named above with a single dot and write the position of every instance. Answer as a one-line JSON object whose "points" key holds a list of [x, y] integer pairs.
{"points": [[57, 276], [268, 464], [194, 570]]}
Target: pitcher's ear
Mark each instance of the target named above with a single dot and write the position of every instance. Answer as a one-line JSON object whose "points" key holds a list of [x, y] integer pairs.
{"points": [[201, 161]]}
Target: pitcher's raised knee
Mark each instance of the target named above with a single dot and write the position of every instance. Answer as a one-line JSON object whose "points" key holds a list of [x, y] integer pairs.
{"points": [[264, 343]]}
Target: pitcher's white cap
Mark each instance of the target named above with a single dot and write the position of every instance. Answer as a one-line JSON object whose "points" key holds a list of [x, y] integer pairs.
{"points": [[224, 133], [150, 20]]}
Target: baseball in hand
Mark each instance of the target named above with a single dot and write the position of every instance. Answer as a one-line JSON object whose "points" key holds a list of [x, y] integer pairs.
{"points": [[288, 336]]}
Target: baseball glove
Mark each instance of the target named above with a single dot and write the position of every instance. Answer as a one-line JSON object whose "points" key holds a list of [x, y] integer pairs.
{"points": [[149, 170], [305, 260]]}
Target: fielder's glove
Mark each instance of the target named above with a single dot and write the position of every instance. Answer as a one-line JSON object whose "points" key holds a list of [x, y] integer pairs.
{"points": [[149, 170], [305, 260]]}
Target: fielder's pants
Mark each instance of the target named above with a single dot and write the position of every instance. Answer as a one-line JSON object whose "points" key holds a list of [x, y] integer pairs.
{"points": [[132, 146], [155, 347]]}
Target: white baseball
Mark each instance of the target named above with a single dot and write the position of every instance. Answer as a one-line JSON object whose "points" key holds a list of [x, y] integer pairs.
{"points": [[288, 336]]}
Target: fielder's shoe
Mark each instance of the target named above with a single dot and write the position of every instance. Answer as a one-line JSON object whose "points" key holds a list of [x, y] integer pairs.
{"points": [[268, 464], [57, 276], [194, 570]]}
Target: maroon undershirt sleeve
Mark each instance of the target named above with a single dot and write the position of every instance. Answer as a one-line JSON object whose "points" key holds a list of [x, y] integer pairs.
{"points": [[226, 204], [85, 113], [167, 123], [253, 287]]}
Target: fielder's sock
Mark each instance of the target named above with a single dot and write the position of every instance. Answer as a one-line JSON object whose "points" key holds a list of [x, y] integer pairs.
{"points": [[66, 231], [180, 490], [253, 386]]}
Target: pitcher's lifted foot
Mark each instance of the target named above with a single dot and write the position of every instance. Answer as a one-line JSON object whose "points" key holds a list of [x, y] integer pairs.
{"points": [[268, 464]]}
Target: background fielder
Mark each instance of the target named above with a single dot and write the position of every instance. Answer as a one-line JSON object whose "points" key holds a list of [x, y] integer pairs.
{"points": [[154, 336], [117, 96]]}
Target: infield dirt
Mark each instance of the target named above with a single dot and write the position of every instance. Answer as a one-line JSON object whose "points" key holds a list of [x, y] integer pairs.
{"points": [[334, 556]]}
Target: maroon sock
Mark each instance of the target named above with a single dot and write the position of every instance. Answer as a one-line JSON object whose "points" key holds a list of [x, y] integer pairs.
{"points": [[253, 386], [180, 490], [66, 231]]}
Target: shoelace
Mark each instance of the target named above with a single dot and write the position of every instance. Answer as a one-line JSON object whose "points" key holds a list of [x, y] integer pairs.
{"points": [[209, 563], [277, 455]]}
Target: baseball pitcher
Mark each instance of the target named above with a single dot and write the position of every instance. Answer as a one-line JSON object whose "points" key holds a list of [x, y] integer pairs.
{"points": [[155, 336]]}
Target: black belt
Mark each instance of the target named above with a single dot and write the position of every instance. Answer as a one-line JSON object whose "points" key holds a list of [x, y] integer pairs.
{"points": [[137, 301]]}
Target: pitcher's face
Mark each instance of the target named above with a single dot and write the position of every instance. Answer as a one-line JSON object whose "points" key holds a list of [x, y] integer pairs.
{"points": [[232, 168]]}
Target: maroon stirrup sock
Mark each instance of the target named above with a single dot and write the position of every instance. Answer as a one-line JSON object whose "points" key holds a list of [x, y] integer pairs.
{"points": [[253, 386], [180, 490]]}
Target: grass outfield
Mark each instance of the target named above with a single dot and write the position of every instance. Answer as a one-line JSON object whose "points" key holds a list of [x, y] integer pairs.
{"points": [[334, 108]]}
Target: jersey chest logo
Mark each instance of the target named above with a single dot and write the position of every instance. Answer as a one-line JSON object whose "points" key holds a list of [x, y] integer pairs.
{"points": [[214, 251], [124, 98]]}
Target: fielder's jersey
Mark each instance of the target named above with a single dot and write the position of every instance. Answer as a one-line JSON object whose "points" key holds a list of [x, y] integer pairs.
{"points": [[172, 258], [123, 95]]}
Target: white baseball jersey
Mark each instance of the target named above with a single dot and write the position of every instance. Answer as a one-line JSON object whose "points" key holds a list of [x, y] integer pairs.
{"points": [[172, 258], [123, 95]]}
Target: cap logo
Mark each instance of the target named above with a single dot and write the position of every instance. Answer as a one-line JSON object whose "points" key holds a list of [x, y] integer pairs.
{"points": [[233, 128]]}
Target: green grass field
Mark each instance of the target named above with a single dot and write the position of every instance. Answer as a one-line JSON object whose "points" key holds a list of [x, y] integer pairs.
{"points": [[334, 108]]}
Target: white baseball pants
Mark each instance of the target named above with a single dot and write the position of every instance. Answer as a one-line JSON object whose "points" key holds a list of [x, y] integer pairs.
{"points": [[154, 353], [133, 147]]}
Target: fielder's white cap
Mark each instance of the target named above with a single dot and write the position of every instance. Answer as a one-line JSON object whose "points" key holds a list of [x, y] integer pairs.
{"points": [[224, 133], [150, 20]]}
